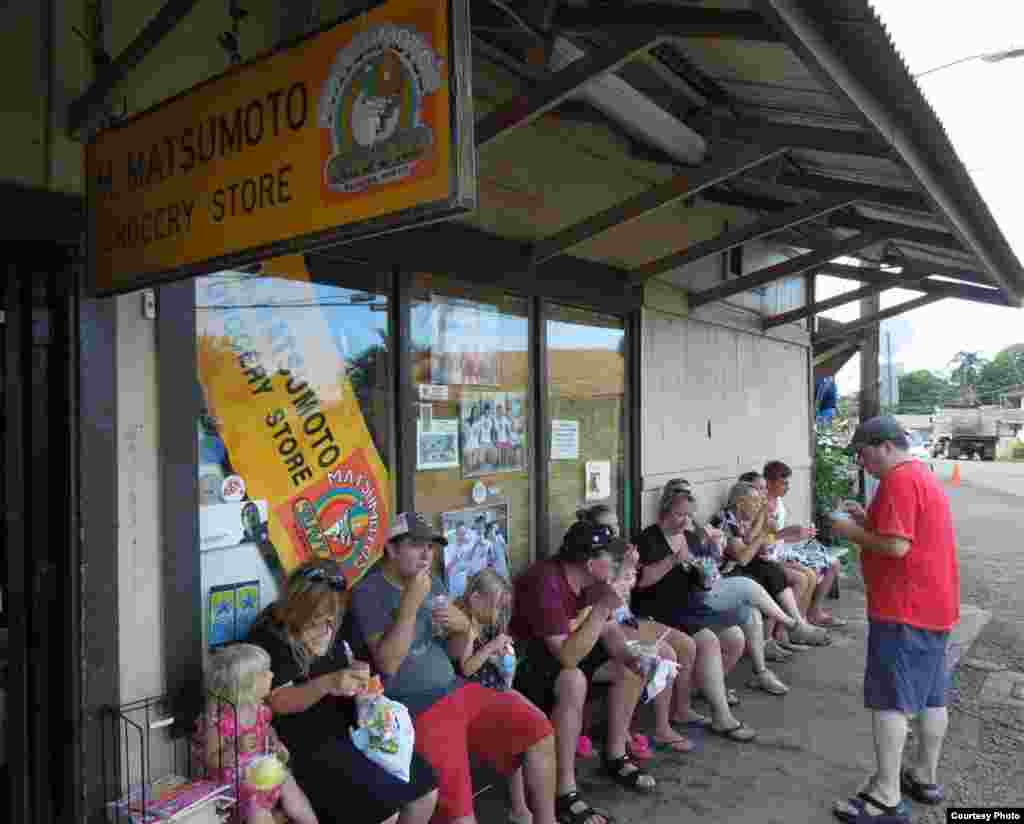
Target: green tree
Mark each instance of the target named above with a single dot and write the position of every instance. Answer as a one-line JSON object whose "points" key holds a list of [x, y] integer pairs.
{"points": [[1006, 369], [921, 391]]}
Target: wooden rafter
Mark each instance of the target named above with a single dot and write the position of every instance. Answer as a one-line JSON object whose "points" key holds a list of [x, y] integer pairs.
{"points": [[865, 323], [737, 236], [788, 268], [728, 164]]}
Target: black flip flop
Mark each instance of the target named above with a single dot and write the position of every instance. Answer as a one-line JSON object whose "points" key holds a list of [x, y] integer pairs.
{"points": [[896, 814], [920, 791], [565, 815]]}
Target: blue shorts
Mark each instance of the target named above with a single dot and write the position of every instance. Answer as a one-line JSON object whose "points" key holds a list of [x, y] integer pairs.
{"points": [[906, 668]]}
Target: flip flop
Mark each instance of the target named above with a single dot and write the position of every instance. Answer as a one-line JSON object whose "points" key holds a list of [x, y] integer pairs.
{"points": [[732, 698], [678, 745], [741, 732], [920, 791], [855, 813], [830, 623]]}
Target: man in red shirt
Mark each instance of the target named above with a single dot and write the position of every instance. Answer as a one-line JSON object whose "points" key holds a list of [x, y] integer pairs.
{"points": [[912, 582], [561, 613]]}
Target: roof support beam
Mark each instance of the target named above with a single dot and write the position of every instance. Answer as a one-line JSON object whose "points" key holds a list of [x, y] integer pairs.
{"points": [[824, 305], [729, 163], [878, 317], [559, 86], [881, 195], [524, 71], [788, 268], [829, 354], [170, 14], [766, 132], [901, 231], [675, 21], [917, 280], [767, 225]]}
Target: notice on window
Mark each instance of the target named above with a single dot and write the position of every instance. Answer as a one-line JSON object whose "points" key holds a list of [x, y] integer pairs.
{"points": [[565, 440]]}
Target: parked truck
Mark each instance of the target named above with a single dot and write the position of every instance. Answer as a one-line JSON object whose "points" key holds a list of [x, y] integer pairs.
{"points": [[964, 433]]}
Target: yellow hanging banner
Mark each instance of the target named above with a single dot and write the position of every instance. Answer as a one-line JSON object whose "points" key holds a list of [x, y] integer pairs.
{"points": [[274, 379]]}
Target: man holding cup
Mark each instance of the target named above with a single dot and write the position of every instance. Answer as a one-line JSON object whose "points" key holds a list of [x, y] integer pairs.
{"points": [[414, 632], [912, 581]]}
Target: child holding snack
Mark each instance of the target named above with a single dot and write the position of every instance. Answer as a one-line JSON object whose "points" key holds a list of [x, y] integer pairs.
{"points": [[490, 656], [235, 743]]}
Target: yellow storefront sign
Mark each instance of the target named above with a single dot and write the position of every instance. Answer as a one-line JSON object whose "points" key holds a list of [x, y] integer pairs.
{"points": [[275, 380], [355, 131]]}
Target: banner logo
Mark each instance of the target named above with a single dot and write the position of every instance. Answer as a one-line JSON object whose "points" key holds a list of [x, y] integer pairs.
{"points": [[371, 108]]}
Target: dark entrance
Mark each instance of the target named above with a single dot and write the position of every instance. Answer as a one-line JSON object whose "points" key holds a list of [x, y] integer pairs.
{"points": [[39, 535]]}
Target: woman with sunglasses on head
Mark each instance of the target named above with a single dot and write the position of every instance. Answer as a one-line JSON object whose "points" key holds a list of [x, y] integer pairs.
{"points": [[315, 682]]}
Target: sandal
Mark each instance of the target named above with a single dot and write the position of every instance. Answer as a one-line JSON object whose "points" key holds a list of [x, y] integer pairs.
{"points": [[791, 646], [639, 746], [919, 790], [695, 720], [829, 623], [584, 747], [774, 651], [680, 744], [741, 732], [565, 814], [855, 813], [767, 681], [618, 769], [812, 636]]}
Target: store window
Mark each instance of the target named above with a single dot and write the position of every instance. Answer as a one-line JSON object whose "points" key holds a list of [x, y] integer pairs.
{"points": [[470, 351], [586, 384], [294, 434]]}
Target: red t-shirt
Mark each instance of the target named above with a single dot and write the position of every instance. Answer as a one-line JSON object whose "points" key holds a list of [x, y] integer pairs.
{"points": [[544, 603], [921, 589]]}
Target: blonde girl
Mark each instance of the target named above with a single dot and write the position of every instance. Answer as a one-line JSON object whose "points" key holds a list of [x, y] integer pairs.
{"points": [[487, 602], [234, 733]]}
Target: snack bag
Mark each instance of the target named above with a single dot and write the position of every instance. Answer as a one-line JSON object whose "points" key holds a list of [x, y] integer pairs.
{"points": [[265, 773], [384, 732], [660, 671]]}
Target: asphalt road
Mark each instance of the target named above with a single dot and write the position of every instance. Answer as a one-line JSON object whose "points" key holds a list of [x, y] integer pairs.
{"points": [[997, 476], [983, 759]]}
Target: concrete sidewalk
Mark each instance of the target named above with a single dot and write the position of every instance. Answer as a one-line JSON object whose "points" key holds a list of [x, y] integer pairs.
{"points": [[814, 744]]}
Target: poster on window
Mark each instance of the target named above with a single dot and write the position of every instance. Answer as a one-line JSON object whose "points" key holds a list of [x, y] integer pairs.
{"points": [[283, 415], [477, 538], [437, 443], [492, 432], [466, 339]]}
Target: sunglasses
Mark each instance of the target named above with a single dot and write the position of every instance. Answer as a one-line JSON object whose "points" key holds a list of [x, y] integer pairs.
{"points": [[335, 582]]}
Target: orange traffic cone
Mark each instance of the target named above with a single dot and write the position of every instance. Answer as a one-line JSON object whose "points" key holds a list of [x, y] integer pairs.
{"points": [[956, 475]]}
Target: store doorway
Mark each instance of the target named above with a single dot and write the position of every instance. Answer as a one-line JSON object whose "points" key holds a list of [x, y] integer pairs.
{"points": [[38, 696]]}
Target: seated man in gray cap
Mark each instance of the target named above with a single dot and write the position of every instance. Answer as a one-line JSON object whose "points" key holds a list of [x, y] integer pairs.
{"points": [[912, 582], [413, 635]]}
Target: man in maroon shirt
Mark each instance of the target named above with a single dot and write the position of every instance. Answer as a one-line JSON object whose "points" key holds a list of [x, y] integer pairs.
{"points": [[561, 618], [912, 582]]}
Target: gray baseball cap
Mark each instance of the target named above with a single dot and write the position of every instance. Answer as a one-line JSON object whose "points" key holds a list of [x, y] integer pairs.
{"points": [[875, 431]]}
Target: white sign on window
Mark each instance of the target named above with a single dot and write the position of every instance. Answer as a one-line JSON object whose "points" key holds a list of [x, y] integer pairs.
{"points": [[565, 440]]}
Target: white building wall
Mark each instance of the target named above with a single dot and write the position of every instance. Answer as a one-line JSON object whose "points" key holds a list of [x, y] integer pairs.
{"points": [[140, 582], [720, 398]]}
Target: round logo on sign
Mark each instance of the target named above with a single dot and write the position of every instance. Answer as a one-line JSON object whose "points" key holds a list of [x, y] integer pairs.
{"points": [[479, 492], [232, 489]]}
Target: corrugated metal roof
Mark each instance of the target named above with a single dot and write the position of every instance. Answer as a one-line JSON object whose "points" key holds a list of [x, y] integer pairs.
{"points": [[712, 82]]}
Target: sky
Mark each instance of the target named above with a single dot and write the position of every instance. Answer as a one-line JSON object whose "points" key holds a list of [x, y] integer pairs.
{"points": [[978, 104]]}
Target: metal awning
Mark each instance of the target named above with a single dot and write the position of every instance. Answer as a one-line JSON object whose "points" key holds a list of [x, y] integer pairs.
{"points": [[799, 121]]}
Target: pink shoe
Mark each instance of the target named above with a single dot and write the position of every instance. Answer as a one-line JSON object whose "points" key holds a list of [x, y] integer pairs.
{"points": [[584, 747], [640, 747]]}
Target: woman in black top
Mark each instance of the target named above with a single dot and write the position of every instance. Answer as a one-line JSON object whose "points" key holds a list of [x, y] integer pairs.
{"points": [[312, 696], [681, 585]]}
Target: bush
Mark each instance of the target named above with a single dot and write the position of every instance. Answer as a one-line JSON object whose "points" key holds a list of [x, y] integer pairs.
{"points": [[831, 480]]}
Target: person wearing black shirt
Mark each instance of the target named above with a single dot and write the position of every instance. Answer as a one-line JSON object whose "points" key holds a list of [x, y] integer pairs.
{"points": [[315, 681]]}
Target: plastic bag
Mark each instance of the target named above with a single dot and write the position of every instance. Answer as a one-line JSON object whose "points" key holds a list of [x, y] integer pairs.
{"points": [[659, 671], [384, 733]]}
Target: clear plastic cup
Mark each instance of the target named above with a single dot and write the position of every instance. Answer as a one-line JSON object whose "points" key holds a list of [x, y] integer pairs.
{"points": [[438, 602]]}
